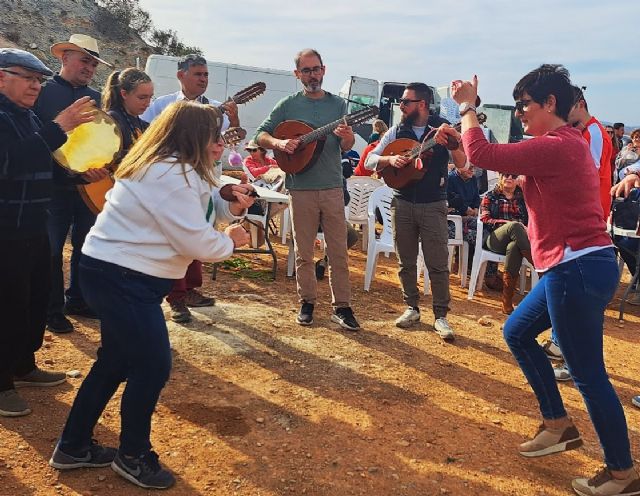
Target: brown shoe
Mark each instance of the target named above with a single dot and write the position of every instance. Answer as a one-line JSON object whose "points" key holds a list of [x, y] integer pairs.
{"points": [[604, 484], [548, 441], [508, 288], [180, 312], [494, 282], [12, 404], [40, 378], [195, 299]]}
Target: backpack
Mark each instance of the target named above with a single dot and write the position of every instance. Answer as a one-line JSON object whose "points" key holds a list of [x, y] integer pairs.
{"points": [[626, 211]]}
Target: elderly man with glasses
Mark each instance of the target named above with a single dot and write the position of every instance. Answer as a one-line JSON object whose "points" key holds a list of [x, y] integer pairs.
{"points": [[25, 188], [419, 210]]}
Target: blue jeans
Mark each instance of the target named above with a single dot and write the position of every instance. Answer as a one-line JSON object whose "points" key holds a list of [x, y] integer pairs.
{"points": [[572, 297], [67, 211], [135, 348]]}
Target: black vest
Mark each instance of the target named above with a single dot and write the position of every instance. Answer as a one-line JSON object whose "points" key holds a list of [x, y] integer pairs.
{"points": [[433, 185]]}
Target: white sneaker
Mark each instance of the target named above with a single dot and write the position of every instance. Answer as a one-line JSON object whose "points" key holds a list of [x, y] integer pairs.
{"points": [[552, 350], [561, 372], [408, 318], [635, 401], [443, 329]]}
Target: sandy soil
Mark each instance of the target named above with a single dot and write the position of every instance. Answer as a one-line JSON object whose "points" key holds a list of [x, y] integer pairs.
{"points": [[258, 405]]}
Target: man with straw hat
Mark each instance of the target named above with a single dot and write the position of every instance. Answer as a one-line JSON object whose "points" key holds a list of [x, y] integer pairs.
{"points": [[25, 183], [80, 57]]}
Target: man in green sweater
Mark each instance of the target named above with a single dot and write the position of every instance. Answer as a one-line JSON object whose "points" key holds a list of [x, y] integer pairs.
{"points": [[316, 192]]}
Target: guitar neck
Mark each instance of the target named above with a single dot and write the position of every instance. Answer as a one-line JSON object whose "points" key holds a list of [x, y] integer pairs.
{"points": [[430, 143], [321, 132]]}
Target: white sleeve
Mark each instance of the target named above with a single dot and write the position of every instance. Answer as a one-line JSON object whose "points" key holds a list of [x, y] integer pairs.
{"points": [[221, 208], [372, 159], [183, 223]]}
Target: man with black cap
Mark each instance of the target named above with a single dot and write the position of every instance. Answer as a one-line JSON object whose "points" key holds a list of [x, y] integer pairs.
{"points": [[80, 58], [25, 186]]}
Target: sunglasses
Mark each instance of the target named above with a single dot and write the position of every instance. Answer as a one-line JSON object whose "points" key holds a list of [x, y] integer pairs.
{"points": [[407, 101], [521, 104], [510, 176]]}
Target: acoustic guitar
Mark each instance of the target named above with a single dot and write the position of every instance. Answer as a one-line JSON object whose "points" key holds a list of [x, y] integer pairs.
{"points": [[311, 140], [94, 194], [414, 171]]}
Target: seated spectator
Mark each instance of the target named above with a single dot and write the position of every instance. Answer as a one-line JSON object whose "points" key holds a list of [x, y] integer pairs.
{"points": [[504, 215], [628, 160], [378, 130], [464, 200], [257, 162]]}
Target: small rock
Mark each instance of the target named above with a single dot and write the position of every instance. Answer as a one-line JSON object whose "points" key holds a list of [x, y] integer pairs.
{"points": [[260, 420], [48, 337], [403, 443], [373, 470], [33, 46], [102, 478], [48, 361], [485, 320], [74, 374]]}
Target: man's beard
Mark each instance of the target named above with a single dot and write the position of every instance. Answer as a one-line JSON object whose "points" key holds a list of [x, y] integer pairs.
{"points": [[313, 86], [411, 118]]}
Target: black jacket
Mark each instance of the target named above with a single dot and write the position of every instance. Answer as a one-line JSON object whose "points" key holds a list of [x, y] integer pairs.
{"points": [[25, 170], [56, 95]]}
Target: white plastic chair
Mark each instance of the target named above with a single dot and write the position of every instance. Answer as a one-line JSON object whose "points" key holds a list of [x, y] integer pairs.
{"points": [[380, 199], [360, 189], [480, 258], [463, 254]]}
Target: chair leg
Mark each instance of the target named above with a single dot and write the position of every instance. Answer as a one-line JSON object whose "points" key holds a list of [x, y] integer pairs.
{"points": [[464, 263], [284, 224], [369, 273], [365, 237], [475, 272]]}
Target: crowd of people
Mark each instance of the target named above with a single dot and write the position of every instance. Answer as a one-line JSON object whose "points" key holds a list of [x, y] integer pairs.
{"points": [[134, 254]]}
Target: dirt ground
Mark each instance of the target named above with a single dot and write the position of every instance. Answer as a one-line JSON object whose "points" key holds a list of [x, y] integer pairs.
{"points": [[257, 405]]}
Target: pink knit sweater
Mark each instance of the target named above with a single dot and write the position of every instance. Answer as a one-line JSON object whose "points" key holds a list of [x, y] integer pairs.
{"points": [[561, 189]]}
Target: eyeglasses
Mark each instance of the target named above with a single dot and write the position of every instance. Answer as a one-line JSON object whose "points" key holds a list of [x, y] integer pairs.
{"points": [[30, 79], [407, 101], [251, 150], [521, 104], [510, 176], [635, 138], [312, 70]]}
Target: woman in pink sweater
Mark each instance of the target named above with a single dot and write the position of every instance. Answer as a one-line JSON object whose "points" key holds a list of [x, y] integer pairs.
{"points": [[570, 245]]}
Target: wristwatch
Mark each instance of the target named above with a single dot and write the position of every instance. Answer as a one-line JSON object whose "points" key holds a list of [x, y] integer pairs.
{"points": [[466, 107]]}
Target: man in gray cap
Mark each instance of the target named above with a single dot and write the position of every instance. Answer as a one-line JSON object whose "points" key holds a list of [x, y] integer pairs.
{"points": [[25, 184]]}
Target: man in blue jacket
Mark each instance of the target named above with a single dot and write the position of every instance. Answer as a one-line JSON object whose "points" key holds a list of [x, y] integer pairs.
{"points": [[25, 189]]}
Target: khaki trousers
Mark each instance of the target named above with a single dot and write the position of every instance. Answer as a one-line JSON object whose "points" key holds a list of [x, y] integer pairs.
{"points": [[310, 209]]}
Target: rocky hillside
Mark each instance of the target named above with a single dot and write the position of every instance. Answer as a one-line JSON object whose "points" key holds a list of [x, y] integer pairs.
{"points": [[34, 25]]}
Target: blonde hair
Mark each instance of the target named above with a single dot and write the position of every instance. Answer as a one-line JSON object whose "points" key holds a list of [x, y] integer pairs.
{"points": [[127, 80], [183, 131], [380, 127]]}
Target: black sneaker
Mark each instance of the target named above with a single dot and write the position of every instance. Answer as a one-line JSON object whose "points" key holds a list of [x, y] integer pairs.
{"points": [[180, 313], [95, 456], [321, 267], [305, 316], [79, 310], [344, 317], [59, 324], [144, 471]]}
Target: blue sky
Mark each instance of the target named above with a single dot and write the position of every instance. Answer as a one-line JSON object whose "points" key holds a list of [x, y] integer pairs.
{"points": [[428, 41]]}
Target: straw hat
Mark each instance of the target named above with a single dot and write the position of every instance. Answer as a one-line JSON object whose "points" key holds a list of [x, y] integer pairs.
{"points": [[78, 43]]}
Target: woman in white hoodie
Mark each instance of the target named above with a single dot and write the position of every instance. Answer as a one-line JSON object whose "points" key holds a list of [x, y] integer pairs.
{"points": [[158, 218]]}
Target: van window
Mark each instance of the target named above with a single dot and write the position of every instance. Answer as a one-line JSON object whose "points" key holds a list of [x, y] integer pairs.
{"points": [[361, 101]]}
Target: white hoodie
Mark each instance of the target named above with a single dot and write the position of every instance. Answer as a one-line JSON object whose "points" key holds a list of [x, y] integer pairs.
{"points": [[157, 225]]}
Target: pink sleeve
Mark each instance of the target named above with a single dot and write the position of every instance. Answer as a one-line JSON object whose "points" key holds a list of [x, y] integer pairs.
{"points": [[533, 157]]}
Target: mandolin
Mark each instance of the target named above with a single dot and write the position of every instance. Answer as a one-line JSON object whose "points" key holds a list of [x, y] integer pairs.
{"points": [[94, 194], [414, 171], [311, 140], [246, 95]]}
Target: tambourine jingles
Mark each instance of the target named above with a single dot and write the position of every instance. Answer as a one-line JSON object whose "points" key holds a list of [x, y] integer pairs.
{"points": [[91, 145]]}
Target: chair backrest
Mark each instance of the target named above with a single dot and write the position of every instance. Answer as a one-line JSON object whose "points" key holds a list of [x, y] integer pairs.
{"points": [[479, 240], [458, 233], [360, 189], [381, 199], [250, 177]]}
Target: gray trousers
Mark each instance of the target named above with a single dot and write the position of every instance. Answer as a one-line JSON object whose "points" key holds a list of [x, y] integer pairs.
{"points": [[426, 223]]}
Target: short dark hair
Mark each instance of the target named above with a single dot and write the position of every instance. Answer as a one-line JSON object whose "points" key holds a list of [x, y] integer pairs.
{"points": [[422, 91], [618, 125], [304, 52], [579, 96], [188, 61], [546, 80]]}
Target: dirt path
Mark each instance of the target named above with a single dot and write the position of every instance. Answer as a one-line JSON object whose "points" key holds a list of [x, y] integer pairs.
{"points": [[258, 405]]}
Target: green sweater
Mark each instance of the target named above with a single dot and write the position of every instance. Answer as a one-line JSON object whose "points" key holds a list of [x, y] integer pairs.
{"points": [[326, 173]]}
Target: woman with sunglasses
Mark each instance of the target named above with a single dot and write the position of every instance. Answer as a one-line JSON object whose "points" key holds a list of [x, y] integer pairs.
{"points": [[158, 218], [628, 160], [504, 215], [570, 245]]}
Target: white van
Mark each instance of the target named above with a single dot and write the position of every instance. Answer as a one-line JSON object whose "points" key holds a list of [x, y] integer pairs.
{"points": [[224, 81]]}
